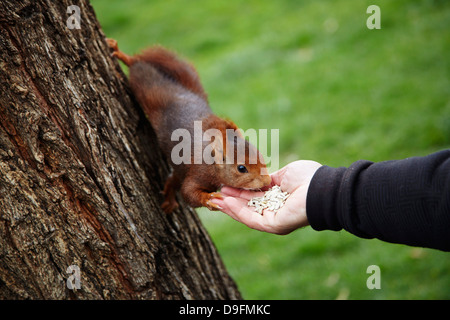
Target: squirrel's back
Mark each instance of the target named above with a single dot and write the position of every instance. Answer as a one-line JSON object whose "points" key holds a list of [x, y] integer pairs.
{"points": [[167, 103]]}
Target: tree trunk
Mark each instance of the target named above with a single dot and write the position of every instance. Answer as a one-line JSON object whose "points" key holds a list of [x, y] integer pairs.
{"points": [[81, 174]]}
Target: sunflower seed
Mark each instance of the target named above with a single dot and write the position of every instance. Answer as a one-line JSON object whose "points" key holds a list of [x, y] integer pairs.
{"points": [[272, 200]]}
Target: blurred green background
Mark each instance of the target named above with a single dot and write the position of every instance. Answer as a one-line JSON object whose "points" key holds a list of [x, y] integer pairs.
{"points": [[338, 92]]}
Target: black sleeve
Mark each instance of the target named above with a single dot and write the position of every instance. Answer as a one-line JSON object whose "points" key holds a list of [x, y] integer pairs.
{"points": [[401, 201]]}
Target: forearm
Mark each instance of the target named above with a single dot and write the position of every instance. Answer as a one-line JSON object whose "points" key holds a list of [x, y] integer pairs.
{"points": [[404, 201]]}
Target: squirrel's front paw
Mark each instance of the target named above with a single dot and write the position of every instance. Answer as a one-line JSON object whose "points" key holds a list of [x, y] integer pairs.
{"points": [[112, 43], [209, 204], [169, 205]]}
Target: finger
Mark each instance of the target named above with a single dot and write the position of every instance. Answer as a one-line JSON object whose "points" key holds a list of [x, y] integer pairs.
{"points": [[218, 202], [225, 208], [238, 210], [277, 177], [241, 193], [229, 191], [231, 206]]}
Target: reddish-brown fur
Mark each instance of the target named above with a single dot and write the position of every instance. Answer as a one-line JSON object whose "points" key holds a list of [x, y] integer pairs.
{"points": [[171, 95]]}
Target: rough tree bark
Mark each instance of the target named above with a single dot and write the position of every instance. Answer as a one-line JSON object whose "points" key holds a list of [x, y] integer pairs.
{"points": [[81, 173]]}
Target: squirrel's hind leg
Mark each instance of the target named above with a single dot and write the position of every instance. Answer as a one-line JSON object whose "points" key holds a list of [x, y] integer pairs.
{"points": [[169, 192]]}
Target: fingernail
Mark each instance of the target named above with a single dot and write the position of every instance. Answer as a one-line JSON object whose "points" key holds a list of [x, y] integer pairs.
{"points": [[217, 202]]}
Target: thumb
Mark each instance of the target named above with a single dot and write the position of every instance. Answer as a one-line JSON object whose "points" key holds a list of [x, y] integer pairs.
{"points": [[277, 177]]}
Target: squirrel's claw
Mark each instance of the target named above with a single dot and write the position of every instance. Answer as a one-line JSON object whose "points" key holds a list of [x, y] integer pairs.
{"points": [[168, 206], [112, 43], [212, 206]]}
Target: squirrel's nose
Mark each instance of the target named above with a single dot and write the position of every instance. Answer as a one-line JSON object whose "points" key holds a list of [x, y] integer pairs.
{"points": [[266, 180], [265, 177]]}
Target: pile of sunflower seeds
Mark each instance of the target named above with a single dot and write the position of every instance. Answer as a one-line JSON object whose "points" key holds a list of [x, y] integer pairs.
{"points": [[272, 200]]}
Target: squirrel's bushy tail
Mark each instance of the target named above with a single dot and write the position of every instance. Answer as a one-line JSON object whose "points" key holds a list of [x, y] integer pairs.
{"points": [[165, 62], [177, 70]]}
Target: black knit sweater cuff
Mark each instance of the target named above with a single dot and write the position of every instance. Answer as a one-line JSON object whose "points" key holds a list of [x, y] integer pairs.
{"points": [[322, 199]]}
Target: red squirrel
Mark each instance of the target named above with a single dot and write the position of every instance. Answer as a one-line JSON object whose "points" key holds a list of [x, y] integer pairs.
{"points": [[171, 95]]}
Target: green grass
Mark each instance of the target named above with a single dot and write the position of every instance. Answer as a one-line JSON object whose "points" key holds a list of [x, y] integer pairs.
{"points": [[337, 92]]}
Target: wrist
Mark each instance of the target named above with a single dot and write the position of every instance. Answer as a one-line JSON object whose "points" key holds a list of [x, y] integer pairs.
{"points": [[322, 199]]}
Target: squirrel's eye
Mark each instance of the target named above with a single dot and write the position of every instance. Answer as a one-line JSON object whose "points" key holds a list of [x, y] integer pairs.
{"points": [[242, 169]]}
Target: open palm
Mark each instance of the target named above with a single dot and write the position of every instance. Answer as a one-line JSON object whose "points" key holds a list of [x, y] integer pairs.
{"points": [[293, 178]]}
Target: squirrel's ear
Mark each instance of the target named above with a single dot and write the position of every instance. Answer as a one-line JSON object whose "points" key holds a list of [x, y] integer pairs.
{"points": [[216, 147], [235, 146], [231, 125], [223, 144]]}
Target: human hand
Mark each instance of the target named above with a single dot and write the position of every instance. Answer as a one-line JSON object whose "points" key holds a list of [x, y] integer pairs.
{"points": [[293, 178]]}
